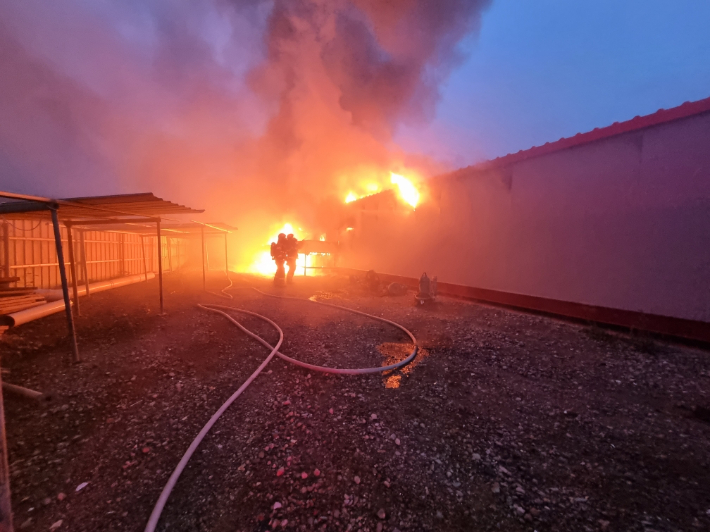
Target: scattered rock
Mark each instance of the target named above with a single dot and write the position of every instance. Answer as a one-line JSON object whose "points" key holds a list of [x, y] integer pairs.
{"points": [[81, 486], [56, 525], [357, 480], [495, 488], [381, 513]]}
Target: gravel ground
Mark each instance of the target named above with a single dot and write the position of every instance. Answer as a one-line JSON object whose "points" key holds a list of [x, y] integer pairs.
{"points": [[505, 421]]}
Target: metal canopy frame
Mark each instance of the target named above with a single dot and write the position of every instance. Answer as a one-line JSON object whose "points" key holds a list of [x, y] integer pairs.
{"points": [[98, 210], [123, 210]]}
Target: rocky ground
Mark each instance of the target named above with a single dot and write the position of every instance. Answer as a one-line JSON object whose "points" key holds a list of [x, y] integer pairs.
{"points": [[506, 421]]}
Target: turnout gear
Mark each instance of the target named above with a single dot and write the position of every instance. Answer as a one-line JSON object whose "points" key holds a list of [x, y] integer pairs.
{"points": [[291, 249], [278, 253]]}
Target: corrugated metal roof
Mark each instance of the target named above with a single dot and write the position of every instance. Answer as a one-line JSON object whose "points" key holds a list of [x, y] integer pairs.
{"points": [[144, 205], [662, 116]]}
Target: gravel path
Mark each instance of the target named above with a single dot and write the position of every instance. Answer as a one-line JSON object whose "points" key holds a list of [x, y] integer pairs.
{"points": [[506, 421]]}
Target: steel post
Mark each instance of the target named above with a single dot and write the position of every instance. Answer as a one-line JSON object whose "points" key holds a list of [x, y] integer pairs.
{"points": [[65, 285], [82, 243], [5, 505], [160, 266], [72, 269], [145, 263], [226, 254], [6, 248], [204, 275]]}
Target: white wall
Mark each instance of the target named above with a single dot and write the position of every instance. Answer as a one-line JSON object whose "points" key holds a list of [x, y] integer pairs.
{"points": [[623, 222]]}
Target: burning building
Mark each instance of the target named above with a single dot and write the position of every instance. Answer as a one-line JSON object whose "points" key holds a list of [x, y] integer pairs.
{"points": [[615, 218]]}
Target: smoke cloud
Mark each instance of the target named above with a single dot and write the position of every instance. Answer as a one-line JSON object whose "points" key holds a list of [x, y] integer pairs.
{"points": [[256, 110]]}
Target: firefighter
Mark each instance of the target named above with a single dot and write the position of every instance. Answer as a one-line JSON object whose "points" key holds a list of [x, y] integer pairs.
{"points": [[278, 253], [291, 247]]}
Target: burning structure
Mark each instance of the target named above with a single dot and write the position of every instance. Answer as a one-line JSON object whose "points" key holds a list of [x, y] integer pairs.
{"points": [[615, 219]]}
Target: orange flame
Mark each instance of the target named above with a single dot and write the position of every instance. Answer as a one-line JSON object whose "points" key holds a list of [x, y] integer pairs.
{"points": [[262, 263], [407, 191]]}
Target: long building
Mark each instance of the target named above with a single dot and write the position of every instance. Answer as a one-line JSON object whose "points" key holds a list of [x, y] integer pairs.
{"points": [[618, 217]]}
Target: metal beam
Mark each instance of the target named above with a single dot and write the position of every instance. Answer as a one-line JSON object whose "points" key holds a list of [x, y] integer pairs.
{"points": [[204, 275], [82, 240], [145, 262], [65, 287], [108, 221], [5, 505], [6, 248], [226, 255], [72, 268], [160, 266], [17, 208]]}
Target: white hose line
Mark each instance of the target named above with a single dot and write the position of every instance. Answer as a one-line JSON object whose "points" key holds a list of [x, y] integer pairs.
{"points": [[172, 481], [324, 369], [163, 499]]}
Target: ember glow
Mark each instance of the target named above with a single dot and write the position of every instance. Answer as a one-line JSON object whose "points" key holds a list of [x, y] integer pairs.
{"points": [[350, 197], [407, 191]]}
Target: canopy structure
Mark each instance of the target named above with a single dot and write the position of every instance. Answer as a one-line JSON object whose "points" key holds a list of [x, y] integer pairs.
{"points": [[133, 211], [93, 209]]}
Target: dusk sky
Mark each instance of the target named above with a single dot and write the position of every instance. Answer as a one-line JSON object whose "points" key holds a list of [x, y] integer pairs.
{"points": [[552, 68]]}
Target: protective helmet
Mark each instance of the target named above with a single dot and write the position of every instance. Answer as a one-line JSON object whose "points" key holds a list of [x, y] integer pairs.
{"points": [[281, 236], [290, 236]]}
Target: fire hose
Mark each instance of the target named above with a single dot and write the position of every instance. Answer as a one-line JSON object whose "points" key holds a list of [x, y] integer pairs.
{"points": [[172, 481]]}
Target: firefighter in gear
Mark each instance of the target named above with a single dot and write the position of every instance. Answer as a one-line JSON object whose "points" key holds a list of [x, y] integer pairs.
{"points": [[278, 253], [292, 246]]}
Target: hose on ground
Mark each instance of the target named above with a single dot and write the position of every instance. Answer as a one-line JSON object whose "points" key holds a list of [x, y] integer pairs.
{"points": [[165, 494], [220, 309]]}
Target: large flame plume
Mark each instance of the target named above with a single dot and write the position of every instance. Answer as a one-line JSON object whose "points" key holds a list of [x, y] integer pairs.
{"points": [[255, 110]]}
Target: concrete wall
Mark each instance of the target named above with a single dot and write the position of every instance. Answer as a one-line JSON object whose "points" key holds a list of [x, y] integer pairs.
{"points": [[623, 222]]}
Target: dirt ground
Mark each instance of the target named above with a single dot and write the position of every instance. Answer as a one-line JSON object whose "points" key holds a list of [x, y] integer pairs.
{"points": [[506, 421]]}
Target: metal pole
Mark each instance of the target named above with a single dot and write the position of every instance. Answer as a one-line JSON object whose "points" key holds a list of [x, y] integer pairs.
{"points": [[204, 275], [82, 243], [5, 506], [65, 286], [25, 392], [72, 268], [170, 252], [145, 263], [226, 254], [6, 248], [160, 267]]}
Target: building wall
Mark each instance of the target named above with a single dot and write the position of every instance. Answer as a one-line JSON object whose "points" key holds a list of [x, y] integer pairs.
{"points": [[622, 222]]}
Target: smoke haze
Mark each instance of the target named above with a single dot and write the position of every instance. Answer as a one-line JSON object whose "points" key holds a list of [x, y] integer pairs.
{"points": [[255, 110]]}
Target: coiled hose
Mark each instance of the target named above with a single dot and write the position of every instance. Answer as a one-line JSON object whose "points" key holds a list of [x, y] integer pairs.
{"points": [[172, 481]]}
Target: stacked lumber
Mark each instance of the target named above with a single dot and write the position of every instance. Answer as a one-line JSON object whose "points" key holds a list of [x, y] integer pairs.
{"points": [[16, 299]]}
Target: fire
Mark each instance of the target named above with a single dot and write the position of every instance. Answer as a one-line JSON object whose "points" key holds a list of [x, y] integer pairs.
{"points": [[350, 197], [407, 191], [263, 264]]}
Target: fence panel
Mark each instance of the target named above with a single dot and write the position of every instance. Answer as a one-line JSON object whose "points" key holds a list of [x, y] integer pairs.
{"points": [[27, 251]]}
